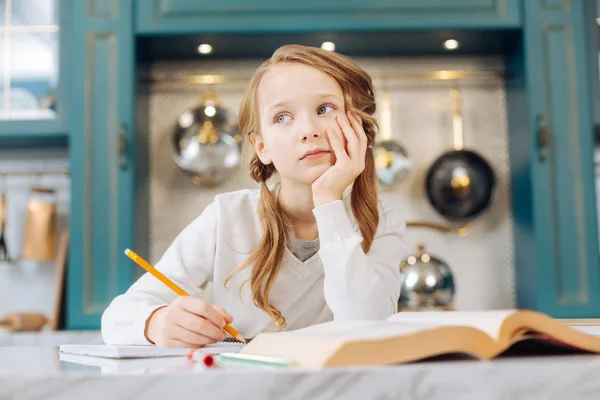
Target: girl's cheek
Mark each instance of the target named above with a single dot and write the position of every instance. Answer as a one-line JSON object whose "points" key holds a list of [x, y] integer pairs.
{"points": [[331, 120]]}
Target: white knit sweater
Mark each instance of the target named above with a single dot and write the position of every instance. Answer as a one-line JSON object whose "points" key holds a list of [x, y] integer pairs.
{"points": [[338, 282]]}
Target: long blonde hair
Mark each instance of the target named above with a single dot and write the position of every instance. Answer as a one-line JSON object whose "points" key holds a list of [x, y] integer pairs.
{"points": [[359, 97]]}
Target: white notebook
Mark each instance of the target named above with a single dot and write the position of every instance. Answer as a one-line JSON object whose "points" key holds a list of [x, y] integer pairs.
{"points": [[148, 351], [107, 351]]}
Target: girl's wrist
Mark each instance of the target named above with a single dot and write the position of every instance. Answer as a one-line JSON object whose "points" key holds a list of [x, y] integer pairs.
{"points": [[151, 321], [320, 199]]}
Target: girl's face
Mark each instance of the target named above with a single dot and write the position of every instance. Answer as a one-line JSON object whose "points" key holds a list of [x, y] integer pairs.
{"points": [[297, 103]]}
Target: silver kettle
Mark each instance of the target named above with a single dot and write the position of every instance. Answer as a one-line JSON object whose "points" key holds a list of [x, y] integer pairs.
{"points": [[427, 283]]}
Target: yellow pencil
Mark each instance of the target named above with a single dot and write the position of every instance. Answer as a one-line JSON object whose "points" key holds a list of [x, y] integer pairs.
{"points": [[144, 264]]}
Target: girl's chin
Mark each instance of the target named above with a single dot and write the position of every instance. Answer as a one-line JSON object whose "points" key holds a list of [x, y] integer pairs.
{"points": [[309, 175], [315, 173]]}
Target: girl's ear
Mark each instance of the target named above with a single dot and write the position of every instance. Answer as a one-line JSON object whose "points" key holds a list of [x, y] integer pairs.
{"points": [[260, 149]]}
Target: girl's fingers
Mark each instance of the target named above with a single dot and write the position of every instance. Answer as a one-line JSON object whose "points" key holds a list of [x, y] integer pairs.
{"points": [[348, 120], [224, 313], [202, 326], [350, 135], [194, 338], [179, 344], [203, 309], [336, 145], [358, 128], [195, 323]]}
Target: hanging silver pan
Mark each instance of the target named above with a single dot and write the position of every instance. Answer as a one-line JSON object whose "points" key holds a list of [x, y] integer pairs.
{"points": [[205, 143]]}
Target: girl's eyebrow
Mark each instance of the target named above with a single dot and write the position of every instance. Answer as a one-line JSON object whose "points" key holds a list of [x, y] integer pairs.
{"points": [[328, 95], [324, 95], [280, 104]]}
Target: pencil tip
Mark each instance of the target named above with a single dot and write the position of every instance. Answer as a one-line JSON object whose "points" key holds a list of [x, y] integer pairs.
{"points": [[240, 338]]}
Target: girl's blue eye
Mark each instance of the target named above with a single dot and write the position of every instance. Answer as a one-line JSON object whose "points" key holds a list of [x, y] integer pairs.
{"points": [[323, 109], [280, 119]]}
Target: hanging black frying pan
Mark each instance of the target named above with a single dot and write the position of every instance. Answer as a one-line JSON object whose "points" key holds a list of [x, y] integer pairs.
{"points": [[3, 251], [460, 183]]}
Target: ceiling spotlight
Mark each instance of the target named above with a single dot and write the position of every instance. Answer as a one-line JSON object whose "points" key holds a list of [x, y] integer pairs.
{"points": [[205, 48], [329, 46], [210, 111], [451, 44]]}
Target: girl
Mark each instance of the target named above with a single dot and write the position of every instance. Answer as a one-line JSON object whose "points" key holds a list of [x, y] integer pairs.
{"points": [[316, 246]]}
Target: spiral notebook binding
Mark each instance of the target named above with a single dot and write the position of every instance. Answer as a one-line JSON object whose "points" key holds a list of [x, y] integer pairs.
{"points": [[233, 340]]}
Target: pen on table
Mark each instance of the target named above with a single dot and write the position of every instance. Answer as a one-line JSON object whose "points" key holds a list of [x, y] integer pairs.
{"points": [[210, 359], [249, 360], [158, 275]]}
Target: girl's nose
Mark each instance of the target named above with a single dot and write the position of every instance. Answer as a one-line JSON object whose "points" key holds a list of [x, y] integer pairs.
{"points": [[313, 134], [310, 129]]}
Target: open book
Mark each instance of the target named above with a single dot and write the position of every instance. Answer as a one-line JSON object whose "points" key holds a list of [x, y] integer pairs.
{"points": [[413, 336]]}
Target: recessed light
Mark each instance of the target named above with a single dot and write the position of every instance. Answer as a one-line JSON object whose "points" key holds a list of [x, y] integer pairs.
{"points": [[186, 119], [205, 48], [210, 111], [329, 46], [451, 44]]}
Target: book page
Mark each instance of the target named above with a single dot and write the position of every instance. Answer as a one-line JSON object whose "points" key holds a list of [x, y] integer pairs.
{"points": [[359, 330], [488, 321]]}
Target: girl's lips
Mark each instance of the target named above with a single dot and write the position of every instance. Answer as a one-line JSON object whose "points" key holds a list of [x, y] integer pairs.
{"points": [[315, 155]]}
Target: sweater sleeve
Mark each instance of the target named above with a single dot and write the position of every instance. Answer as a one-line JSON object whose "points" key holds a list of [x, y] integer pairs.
{"points": [[188, 262], [359, 285]]}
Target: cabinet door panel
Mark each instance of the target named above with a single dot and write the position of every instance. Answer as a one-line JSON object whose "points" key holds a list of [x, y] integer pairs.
{"points": [[101, 143], [560, 109]]}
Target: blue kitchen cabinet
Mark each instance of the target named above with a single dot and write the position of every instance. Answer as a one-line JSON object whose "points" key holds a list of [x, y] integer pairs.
{"points": [[550, 126], [101, 156], [551, 114], [155, 17], [33, 88]]}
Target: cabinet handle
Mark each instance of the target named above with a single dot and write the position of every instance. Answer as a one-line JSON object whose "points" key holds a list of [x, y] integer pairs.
{"points": [[123, 146], [543, 138]]}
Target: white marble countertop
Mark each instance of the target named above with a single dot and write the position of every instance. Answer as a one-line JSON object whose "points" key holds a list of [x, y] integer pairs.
{"points": [[48, 337], [40, 372]]}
